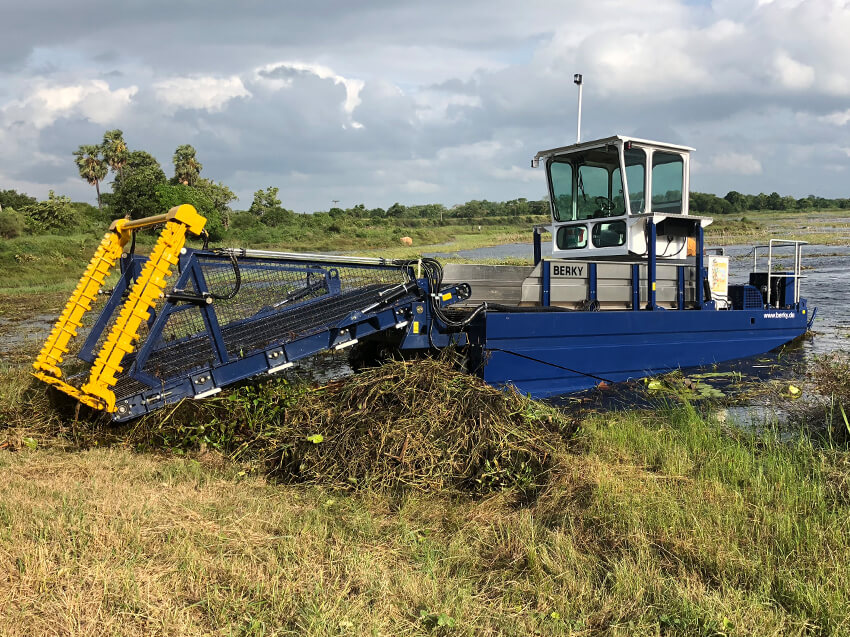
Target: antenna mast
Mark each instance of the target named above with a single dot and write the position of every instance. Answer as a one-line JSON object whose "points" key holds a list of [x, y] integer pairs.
{"points": [[577, 80]]}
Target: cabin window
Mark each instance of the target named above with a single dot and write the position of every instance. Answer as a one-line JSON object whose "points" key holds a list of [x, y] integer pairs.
{"points": [[588, 186], [667, 182], [561, 174], [593, 197], [609, 235], [635, 160], [572, 237]]}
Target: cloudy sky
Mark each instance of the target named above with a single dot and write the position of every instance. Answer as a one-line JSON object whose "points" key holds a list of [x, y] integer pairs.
{"points": [[445, 101]]}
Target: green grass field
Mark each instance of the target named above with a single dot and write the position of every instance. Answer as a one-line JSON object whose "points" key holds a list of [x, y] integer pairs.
{"points": [[667, 521]]}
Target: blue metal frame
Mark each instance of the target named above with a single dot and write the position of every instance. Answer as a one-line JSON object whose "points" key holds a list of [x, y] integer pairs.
{"points": [[208, 376], [680, 287], [591, 282], [635, 287], [209, 316], [547, 354]]}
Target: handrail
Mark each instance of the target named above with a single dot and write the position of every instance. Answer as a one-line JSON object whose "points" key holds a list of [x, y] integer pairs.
{"points": [[798, 262]]}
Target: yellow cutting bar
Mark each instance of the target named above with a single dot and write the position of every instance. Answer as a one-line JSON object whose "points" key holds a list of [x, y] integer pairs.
{"points": [[149, 286], [81, 300]]}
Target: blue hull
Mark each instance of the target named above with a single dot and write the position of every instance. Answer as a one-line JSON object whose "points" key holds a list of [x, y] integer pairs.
{"points": [[551, 353]]}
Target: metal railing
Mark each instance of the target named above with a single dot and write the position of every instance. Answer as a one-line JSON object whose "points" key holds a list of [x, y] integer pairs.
{"points": [[798, 257]]}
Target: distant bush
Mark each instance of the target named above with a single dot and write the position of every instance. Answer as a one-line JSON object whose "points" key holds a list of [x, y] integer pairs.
{"points": [[15, 199], [55, 214], [92, 217], [244, 221], [12, 224], [277, 217]]}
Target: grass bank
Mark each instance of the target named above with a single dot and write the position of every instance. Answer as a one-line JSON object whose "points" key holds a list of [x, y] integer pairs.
{"points": [[644, 523], [822, 227]]}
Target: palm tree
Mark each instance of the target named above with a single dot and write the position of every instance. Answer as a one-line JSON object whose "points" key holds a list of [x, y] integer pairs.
{"points": [[187, 169], [92, 166], [115, 152]]}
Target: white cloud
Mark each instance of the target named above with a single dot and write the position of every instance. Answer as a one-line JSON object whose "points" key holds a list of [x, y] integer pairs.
{"points": [[92, 100], [203, 92], [433, 106], [483, 151], [735, 163], [838, 118], [352, 86], [735, 48], [517, 174], [417, 186], [791, 73]]}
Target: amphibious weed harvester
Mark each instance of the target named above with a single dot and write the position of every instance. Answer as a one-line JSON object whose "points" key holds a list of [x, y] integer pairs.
{"points": [[628, 292]]}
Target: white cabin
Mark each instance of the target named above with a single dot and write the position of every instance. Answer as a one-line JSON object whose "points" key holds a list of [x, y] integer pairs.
{"points": [[599, 203]]}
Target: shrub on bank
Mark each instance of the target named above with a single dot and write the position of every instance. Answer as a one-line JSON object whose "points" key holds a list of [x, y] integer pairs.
{"points": [[12, 223]]}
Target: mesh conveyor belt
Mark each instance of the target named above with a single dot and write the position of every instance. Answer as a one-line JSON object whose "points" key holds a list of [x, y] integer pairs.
{"points": [[298, 322], [246, 337]]}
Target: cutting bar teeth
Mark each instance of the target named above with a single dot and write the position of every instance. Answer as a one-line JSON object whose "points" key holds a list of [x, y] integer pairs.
{"points": [[146, 291]]}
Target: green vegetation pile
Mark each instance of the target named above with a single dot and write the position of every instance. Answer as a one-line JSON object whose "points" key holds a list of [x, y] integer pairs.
{"points": [[420, 425]]}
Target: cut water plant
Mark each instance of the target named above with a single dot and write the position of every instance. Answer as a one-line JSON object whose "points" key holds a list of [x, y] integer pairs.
{"points": [[416, 425]]}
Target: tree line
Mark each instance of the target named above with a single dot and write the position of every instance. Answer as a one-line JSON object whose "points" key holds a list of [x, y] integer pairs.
{"points": [[734, 201]]}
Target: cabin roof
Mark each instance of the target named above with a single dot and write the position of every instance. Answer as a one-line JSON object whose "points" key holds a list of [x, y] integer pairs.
{"points": [[614, 138]]}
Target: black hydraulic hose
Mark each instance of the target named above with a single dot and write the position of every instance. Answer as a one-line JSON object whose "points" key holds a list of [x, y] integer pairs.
{"points": [[235, 290], [706, 290], [388, 296], [538, 360], [434, 275]]}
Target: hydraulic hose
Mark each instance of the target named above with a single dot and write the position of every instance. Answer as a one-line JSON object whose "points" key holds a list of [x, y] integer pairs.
{"points": [[433, 271]]}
